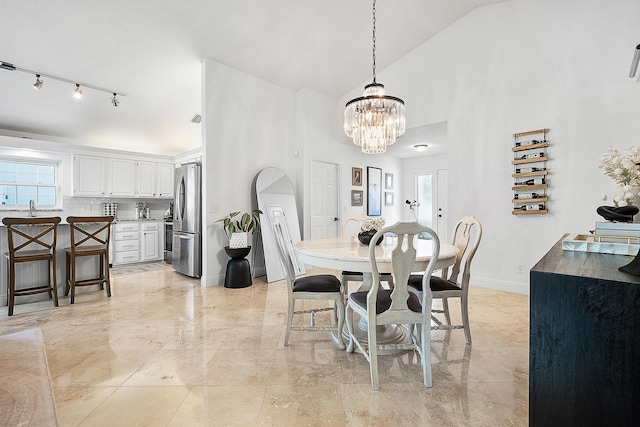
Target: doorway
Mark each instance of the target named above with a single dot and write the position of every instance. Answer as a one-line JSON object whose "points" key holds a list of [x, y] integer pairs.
{"points": [[430, 191], [324, 199]]}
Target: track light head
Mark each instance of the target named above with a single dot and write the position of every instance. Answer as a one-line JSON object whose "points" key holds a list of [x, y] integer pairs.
{"points": [[77, 93], [114, 100], [38, 84]]}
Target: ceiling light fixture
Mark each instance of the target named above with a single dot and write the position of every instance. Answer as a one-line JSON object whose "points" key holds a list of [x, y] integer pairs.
{"points": [[38, 84], [375, 120], [634, 62], [420, 147], [114, 100]]}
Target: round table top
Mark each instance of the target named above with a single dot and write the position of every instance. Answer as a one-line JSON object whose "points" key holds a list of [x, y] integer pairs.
{"points": [[347, 253]]}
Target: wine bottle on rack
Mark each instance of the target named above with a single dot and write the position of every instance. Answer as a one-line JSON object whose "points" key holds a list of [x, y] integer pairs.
{"points": [[531, 207], [525, 170], [530, 156], [532, 181], [525, 143], [526, 196]]}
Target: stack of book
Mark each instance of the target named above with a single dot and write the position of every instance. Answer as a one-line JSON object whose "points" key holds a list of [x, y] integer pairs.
{"points": [[618, 232]]}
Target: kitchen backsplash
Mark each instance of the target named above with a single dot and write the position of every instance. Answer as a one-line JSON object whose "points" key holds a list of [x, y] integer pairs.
{"points": [[84, 206]]}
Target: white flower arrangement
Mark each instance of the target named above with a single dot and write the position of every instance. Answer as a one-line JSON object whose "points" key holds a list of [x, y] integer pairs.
{"points": [[622, 167], [372, 224]]}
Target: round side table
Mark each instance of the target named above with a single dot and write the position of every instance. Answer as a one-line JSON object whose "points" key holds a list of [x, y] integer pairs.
{"points": [[238, 273]]}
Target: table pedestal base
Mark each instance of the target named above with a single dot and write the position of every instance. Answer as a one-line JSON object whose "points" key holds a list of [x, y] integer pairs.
{"points": [[386, 334]]}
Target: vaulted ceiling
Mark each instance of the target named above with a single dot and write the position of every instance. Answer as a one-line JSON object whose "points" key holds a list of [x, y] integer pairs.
{"points": [[151, 50]]}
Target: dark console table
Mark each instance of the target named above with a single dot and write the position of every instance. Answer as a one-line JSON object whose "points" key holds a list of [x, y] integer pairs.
{"points": [[584, 357]]}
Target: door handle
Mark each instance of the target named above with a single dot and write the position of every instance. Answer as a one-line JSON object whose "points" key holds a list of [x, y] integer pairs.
{"points": [[335, 219]]}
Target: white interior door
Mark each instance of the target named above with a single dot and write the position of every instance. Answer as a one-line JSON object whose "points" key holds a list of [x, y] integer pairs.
{"points": [[324, 200]]}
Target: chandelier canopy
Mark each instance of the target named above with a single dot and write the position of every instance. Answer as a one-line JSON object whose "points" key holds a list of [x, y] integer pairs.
{"points": [[375, 120]]}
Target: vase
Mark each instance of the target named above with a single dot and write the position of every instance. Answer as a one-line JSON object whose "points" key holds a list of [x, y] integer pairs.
{"points": [[365, 237], [239, 240]]}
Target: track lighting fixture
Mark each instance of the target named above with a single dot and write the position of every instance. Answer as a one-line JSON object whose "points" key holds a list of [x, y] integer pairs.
{"points": [[76, 93], [38, 84]]}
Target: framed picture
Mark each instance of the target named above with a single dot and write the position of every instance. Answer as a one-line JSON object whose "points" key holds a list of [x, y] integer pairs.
{"points": [[374, 191], [356, 197], [388, 198], [356, 176], [388, 181]]}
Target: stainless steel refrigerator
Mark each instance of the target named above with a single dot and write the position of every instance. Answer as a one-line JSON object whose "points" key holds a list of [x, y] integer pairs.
{"points": [[187, 220]]}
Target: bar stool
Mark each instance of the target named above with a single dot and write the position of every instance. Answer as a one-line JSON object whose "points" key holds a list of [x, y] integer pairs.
{"points": [[89, 237], [25, 245]]}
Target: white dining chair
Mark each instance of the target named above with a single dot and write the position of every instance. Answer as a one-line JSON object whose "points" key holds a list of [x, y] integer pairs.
{"points": [[381, 306]]}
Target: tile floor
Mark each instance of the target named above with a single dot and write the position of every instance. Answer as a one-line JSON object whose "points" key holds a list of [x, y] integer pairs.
{"points": [[164, 351]]}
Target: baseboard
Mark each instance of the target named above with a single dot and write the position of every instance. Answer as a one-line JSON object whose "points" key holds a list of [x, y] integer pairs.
{"points": [[500, 285], [212, 281]]}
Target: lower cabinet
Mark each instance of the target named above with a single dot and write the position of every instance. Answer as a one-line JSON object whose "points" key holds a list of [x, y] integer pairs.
{"points": [[150, 241], [135, 241], [126, 242]]}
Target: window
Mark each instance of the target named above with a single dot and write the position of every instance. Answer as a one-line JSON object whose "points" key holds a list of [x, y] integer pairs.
{"points": [[25, 180]]}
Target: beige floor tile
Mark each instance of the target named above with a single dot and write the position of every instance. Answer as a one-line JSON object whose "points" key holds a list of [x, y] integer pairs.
{"points": [[138, 406], [220, 406], [75, 403], [171, 368], [238, 367]]}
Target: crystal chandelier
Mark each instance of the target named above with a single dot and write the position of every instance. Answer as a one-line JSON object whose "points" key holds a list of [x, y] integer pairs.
{"points": [[374, 120]]}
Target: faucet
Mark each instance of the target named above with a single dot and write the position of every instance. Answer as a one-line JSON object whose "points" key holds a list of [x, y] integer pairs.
{"points": [[32, 208]]}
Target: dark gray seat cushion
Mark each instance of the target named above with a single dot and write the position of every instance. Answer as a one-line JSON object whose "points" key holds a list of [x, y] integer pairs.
{"points": [[436, 283], [384, 300], [317, 283]]}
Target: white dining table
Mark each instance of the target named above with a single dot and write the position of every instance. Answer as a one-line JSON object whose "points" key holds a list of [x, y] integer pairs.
{"points": [[347, 253]]}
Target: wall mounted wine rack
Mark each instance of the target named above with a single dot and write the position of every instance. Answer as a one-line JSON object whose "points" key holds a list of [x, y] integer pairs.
{"points": [[530, 172]]}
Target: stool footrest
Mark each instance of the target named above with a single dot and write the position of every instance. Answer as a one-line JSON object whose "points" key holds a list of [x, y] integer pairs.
{"points": [[87, 282], [33, 290]]}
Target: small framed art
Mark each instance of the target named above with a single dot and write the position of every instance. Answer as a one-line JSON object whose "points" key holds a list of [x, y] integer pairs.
{"points": [[356, 197], [388, 198], [356, 176], [388, 181]]}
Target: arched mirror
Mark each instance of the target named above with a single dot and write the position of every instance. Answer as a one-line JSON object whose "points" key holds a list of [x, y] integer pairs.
{"points": [[275, 196]]}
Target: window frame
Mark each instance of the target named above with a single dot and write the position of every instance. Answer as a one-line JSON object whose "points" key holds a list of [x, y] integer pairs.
{"points": [[56, 163]]}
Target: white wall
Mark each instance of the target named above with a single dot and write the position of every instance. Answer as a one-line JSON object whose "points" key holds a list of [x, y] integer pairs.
{"points": [[518, 66], [248, 125]]}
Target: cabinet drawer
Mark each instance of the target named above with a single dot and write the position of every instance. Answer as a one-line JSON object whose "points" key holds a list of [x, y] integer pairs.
{"points": [[150, 226], [127, 236], [127, 227], [127, 245], [129, 256]]}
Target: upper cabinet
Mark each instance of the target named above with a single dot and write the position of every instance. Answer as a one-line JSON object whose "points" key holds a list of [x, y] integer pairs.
{"points": [[165, 179], [113, 177], [146, 181], [121, 178], [89, 176]]}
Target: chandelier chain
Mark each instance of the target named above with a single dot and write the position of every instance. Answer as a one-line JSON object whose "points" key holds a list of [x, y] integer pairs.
{"points": [[374, 41]]}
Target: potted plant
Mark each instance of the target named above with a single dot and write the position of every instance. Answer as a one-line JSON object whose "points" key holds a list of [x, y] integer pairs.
{"points": [[238, 225], [368, 228]]}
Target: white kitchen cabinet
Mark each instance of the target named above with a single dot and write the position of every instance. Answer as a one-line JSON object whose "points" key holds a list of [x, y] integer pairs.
{"points": [[121, 178], [126, 242], [165, 179], [150, 241], [89, 176], [146, 179]]}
